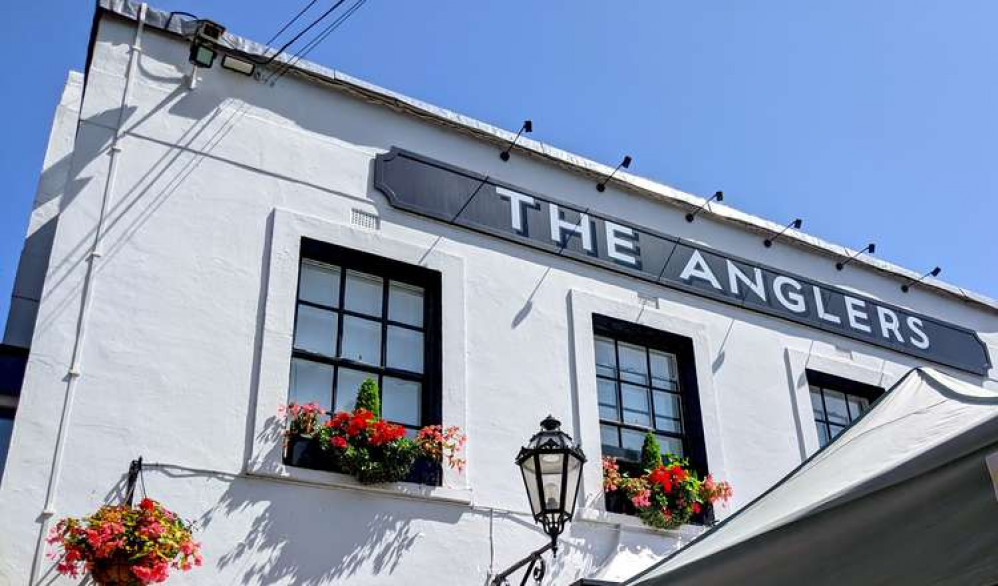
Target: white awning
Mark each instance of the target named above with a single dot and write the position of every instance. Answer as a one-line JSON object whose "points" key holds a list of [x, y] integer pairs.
{"points": [[903, 496]]}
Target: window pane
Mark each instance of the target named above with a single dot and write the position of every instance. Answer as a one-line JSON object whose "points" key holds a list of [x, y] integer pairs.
{"points": [[816, 406], [607, 392], [608, 436], [319, 283], [668, 412], [822, 434], [363, 293], [835, 430], [310, 382], [635, 405], [315, 330], [663, 369], [405, 303], [400, 401], [632, 440], [361, 340], [671, 445], [405, 349], [633, 363], [348, 382], [857, 406], [606, 357], [6, 428], [835, 405]]}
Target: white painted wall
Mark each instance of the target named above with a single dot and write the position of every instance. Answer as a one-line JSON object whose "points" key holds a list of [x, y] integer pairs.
{"points": [[188, 338]]}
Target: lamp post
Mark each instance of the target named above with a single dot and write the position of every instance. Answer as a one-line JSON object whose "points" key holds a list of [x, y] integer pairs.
{"points": [[551, 465]]}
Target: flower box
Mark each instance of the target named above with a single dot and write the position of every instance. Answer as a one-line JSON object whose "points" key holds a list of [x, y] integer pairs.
{"points": [[363, 445]]}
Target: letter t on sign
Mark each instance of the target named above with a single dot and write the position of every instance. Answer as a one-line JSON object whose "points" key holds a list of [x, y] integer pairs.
{"points": [[517, 201]]}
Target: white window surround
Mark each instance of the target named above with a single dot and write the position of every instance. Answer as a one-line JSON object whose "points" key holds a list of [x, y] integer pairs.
{"points": [[277, 332], [582, 307], [798, 363]]}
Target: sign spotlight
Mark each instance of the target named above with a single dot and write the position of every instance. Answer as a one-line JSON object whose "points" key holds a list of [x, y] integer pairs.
{"points": [[870, 248], [718, 195], [796, 224], [626, 163], [933, 273], [528, 127]]}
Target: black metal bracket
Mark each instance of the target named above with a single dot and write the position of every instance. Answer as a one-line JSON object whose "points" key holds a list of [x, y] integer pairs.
{"points": [[133, 475], [533, 569]]}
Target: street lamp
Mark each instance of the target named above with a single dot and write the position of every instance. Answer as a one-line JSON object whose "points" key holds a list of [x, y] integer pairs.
{"points": [[551, 465]]}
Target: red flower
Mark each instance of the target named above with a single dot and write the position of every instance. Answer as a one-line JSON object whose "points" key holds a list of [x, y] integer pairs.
{"points": [[338, 441], [147, 504], [358, 422], [696, 508], [384, 432], [662, 477]]}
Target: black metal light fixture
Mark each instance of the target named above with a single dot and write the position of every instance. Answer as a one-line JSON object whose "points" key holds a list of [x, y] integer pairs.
{"points": [[934, 273], [204, 45], [718, 195], [551, 465], [870, 248], [626, 163], [528, 127], [796, 224]]}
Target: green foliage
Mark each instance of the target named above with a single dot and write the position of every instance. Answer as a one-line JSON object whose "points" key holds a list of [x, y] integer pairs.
{"points": [[390, 462], [651, 453], [367, 397]]}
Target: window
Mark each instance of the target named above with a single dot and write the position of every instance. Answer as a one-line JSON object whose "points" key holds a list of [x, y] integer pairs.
{"points": [[12, 363], [6, 428], [360, 316], [646, 381], [837, 402]]}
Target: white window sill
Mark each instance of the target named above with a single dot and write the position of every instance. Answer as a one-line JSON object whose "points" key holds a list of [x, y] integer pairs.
{"points": [[322, 478], [683, 533]]}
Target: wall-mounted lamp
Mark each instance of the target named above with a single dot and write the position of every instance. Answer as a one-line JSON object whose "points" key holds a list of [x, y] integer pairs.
{"points": [[626, 163], [796, 224], [718, 195], [871, 247], [238, 65], [528, 127], [934, 272], [204, 45]]}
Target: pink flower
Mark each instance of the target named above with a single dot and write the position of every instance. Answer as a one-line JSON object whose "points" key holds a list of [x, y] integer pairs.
{"points": [[642, 499]]}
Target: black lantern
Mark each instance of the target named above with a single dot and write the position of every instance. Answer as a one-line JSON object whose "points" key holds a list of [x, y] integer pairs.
{"points": [[551, 464]]}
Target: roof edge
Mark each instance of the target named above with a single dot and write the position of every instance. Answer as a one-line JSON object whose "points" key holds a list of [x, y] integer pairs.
{"points": [[160, 19]]}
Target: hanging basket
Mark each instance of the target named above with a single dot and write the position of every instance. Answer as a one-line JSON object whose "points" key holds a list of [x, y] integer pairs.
{"points": [[114, 573]]}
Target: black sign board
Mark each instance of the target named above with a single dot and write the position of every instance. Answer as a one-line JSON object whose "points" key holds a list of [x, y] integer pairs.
{"points": [[440, 191]]}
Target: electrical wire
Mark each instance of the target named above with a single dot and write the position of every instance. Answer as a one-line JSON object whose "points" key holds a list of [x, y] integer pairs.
{"points": [[315, 42], [300, 34], [291, 22]]}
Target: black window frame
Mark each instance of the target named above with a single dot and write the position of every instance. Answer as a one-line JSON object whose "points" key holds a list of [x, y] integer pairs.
{"points": [[822, 381], [389, 270], [694, 446]]}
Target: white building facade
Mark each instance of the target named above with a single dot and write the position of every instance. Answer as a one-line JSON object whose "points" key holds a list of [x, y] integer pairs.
{"points": [[201, 253]]}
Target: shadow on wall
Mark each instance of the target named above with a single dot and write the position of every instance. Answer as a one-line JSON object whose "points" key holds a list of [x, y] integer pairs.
{"points": [[303, 536]]}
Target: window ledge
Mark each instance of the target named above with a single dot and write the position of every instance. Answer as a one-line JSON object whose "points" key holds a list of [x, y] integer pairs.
{"points": [[405, 490], [683, 533]]}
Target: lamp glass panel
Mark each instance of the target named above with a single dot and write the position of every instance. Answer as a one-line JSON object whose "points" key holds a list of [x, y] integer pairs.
{"points": [[552, 472], [530, 481], [572, 487]]}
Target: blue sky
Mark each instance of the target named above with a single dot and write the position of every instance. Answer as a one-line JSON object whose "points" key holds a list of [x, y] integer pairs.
{"points": [[873, 121]]}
